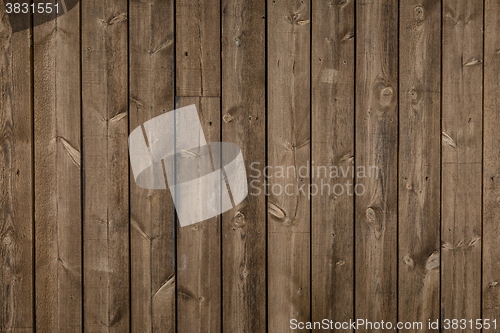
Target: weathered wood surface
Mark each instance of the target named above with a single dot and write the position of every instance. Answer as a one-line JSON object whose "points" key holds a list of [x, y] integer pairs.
{"points": [[491, 164], [461, 160], [419, 156], [106, 171], [288, 128], [332, 247], [244, 123], [376, 146], [400, 85], [152, 236], [16, 180], [58, 190], [197, 47]]}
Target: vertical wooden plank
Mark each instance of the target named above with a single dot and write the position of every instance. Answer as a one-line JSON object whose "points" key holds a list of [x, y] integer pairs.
{"points": [[16, 179], [58, 231], [288, 148], [376, 153], [197, 48], [198, 248], [332, 145], [491, 166], [462, 58], [419, 161], [244, 123], [152, 240], [105, 160]]}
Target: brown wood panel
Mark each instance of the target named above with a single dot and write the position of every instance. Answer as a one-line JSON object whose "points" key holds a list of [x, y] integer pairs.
{"points": [[376, 146], [105, 159], [199, 248], [390, 90], [491, 165], [332, 62], [151, 93], [419, 156], [288, 145], [197, 47], [58, 213], [462, 58], [244, 123], [16, 179]]}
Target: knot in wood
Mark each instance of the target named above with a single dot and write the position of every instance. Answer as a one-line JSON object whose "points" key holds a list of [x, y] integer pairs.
{"points": [[418, 12], [386, 95], [239, 220]]}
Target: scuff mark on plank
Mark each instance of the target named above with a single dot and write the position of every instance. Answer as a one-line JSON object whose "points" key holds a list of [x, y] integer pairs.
{"points": [[137, 102], [167, 286], [164, 44], [73, 153], [275, 211], [473, 61], [186, 294], [119, 116], [348, 36], [138, 227], [347, 157], [446, 138], [66, 267], [462, 244], [434, 261], [117, 19]]}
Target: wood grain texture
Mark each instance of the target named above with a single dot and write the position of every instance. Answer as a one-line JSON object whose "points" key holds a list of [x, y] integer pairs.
{"points": [[462, 58], [376, 146], [105, 161], [244, 123], [332, 62], [16, 180], [151, 92], [58, 214], [491, 165], [419, 156], [199, 248], [404, 94], [288, 146], [197, 48]]}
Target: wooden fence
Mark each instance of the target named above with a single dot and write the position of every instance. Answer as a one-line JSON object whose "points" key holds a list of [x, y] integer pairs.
{"points": [[410, 89]]}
